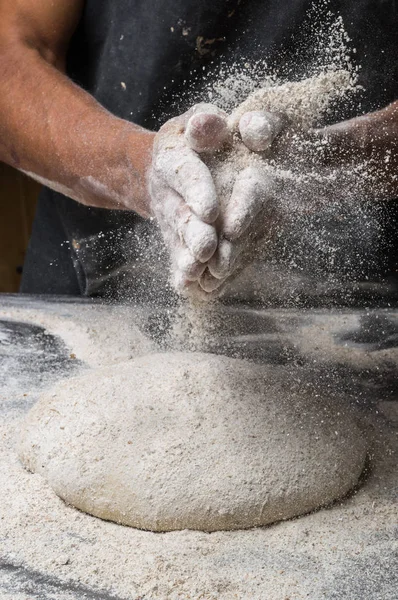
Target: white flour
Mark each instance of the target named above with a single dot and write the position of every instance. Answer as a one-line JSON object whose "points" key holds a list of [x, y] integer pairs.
{"points": [[303, 102], [307, 558], [301, 181]]}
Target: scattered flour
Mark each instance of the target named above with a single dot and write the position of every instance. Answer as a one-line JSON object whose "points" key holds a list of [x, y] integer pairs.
{"points": [[298, 180], [304, 198], [303, 102], [98, 335], [347, 551]]}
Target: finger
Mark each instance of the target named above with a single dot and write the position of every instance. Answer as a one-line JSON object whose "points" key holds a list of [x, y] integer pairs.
{"points": [[173, 214], [177, 125], [222, 262], [183, 171], [258, 129], [193, 291], [182, 228], [206, 132], [251, 191], [200, 238], [208, 108], [181, 284], [207, 129], [208, 283], [189, 268]]}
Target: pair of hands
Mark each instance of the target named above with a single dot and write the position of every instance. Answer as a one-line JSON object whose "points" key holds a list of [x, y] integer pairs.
{"points": [[209, 243]]}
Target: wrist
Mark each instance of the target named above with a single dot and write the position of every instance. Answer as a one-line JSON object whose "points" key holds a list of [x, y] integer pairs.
{"points": [[369, 135], [371, 141], [116, 174], [138, 153]]}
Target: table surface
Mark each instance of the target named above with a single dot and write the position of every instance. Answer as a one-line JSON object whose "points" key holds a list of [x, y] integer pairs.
{"points": [[357, 349]]}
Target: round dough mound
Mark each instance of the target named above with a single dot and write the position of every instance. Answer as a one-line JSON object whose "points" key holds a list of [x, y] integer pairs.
{"points": [[192, 441]]}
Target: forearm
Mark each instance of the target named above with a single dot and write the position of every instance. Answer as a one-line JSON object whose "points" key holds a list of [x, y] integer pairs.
{"points": [[59, 134], [371, 139]]}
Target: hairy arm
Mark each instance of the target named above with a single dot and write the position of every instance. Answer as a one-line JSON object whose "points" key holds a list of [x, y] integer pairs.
{"points": [[52, 129]]}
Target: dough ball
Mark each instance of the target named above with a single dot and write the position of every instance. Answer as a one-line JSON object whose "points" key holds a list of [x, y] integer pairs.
{"points": [[192, 441]]}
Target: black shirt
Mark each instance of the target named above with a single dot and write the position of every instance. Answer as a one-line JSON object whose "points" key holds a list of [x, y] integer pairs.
{"points": [[146, 60]]}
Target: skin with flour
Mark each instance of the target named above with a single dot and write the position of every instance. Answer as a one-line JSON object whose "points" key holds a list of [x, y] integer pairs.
{"points": [[56, 132]]}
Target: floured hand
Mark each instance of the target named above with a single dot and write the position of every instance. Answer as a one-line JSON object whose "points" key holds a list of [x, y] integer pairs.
{"points": [[250, 213], [183, 195]]}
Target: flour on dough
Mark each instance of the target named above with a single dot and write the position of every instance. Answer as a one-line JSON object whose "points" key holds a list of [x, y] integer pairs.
{"points": [[192, 441]]}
